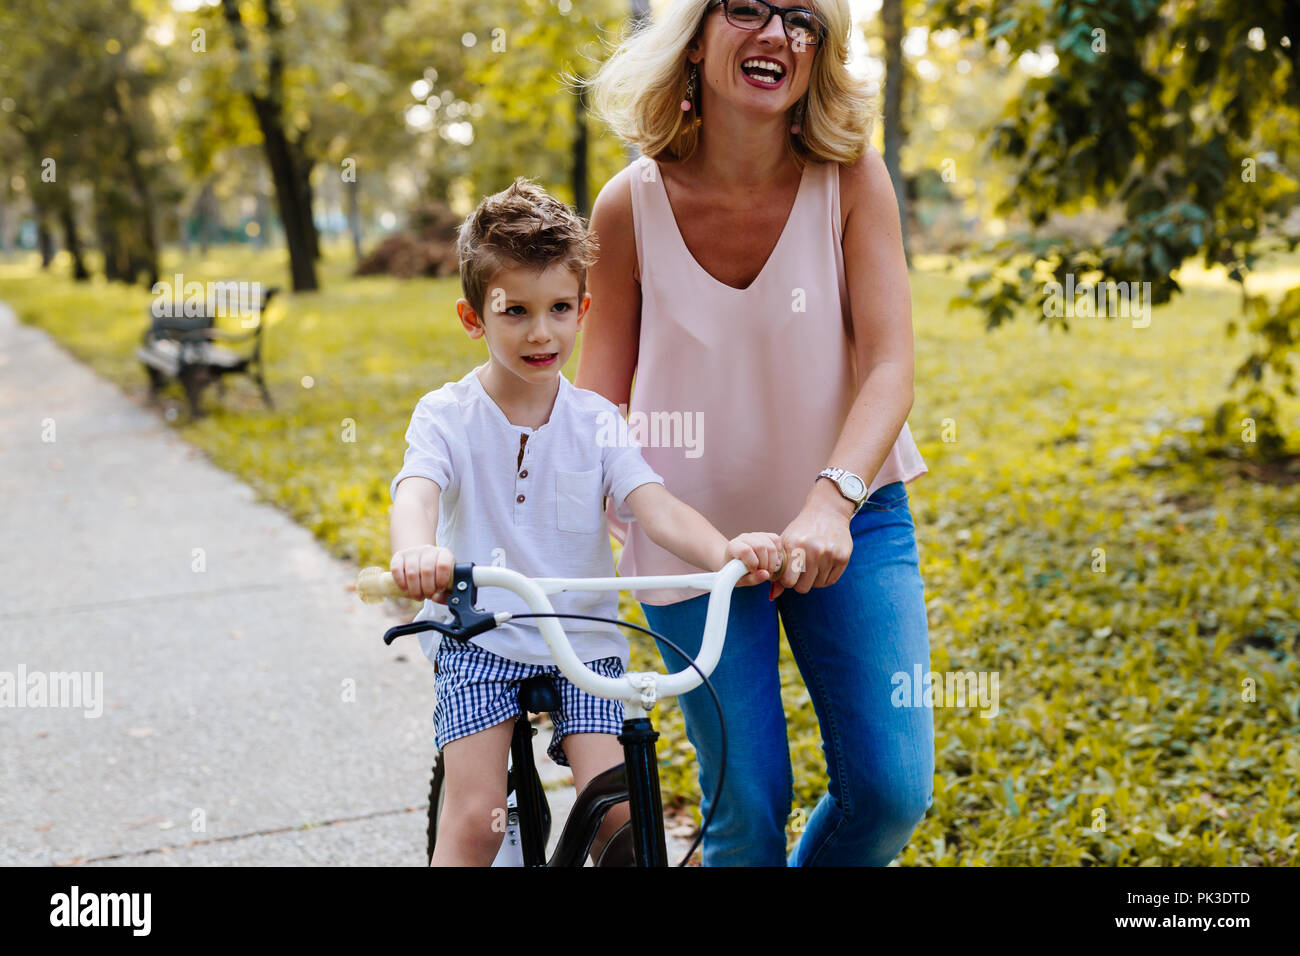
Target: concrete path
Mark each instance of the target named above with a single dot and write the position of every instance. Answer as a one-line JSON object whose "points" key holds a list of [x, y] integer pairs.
{"points": [[247, 710]]}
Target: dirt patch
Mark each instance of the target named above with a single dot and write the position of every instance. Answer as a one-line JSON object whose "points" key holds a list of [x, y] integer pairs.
{"points": [[1278, 471]]}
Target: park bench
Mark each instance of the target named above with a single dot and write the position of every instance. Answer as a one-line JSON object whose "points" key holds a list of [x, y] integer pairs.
{"points": [[185, 350]]}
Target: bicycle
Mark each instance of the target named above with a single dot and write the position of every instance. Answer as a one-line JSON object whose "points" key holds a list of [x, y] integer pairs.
{"points": [[641, 841]]}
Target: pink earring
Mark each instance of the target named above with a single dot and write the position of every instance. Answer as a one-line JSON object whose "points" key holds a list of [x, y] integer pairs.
{"points": [[690, 96]]}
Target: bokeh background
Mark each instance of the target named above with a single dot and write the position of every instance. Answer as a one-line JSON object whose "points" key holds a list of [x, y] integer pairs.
{"points": [[1111, 517]]}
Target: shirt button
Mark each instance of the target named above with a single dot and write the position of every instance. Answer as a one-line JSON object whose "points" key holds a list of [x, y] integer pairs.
{"points": [[524, 473], [520, 499]]}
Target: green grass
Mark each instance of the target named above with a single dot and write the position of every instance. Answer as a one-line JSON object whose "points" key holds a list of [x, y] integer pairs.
{"points": [[1126, 732]]}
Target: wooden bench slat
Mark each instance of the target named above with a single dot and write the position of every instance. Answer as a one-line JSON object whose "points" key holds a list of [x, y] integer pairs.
{"points": [[163, 355]]}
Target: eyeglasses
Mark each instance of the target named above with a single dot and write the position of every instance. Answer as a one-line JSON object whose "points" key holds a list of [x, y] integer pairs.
{"points": [[801, 26]]}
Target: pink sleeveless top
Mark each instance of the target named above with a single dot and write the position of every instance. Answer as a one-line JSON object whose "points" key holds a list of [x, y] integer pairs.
{"points": [[740, 394]]}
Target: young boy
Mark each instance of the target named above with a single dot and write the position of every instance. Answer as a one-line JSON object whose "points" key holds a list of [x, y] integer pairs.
{"points": [[506, 466]]}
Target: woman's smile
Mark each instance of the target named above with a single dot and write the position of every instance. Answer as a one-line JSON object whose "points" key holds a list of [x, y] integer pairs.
{"points": [[764, 72]]}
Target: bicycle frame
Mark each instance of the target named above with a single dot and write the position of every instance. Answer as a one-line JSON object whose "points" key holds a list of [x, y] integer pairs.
{"points": [[530, 799]]}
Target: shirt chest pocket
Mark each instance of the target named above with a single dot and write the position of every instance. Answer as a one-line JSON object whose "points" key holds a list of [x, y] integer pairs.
{"points": [[578, 501]]}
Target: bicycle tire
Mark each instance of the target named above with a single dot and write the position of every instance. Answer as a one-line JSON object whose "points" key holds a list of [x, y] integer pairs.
{"points": [[619, 850], [437, 788]]}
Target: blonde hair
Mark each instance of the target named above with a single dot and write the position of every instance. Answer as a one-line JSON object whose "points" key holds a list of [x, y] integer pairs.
{"points": [[521, 225], [638, 91]]}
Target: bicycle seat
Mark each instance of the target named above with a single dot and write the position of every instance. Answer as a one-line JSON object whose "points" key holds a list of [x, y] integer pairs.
{"points": [[538, 695]]}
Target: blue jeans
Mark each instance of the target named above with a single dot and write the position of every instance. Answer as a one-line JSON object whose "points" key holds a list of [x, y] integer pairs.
{"points": [[848, 640]]}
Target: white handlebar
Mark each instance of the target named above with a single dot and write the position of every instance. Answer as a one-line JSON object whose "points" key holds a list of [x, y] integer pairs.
{"points": [[635, 687]]}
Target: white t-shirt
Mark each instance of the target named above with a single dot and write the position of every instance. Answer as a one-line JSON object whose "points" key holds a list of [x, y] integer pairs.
{"points": [[543, 517]]}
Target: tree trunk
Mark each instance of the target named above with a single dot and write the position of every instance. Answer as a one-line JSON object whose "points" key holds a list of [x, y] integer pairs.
{"points": [[262, 211], [581, 195], [287, 169], [308, 201], [289, 202], [354, 216], [44, 238], [108, 245], [639, 11], [145, 258], [891, 19], [71, 240], [144, 255], [183, 231], [204, 209], [121, 240]]}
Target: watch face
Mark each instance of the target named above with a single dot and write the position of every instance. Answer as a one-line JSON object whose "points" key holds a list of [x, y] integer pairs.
{"points": [[853, 487]]}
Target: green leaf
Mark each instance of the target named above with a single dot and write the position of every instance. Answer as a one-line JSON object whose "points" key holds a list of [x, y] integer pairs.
{"points": [[1006, 26]]}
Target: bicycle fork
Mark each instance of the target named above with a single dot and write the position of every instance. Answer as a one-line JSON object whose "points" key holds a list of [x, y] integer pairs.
{"points": [[645, 803]]}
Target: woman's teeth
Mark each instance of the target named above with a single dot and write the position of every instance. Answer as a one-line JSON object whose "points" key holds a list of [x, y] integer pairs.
{"points": [[765, 71]]}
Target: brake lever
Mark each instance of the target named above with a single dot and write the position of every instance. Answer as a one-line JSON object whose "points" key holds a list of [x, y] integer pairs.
{"points": [[467, 620], [416, 627]]}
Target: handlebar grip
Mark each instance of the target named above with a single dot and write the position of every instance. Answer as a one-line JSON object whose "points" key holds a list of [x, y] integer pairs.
{"points": [[374, 584]]}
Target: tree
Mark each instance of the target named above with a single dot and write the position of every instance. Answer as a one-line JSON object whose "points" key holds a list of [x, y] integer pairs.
{"points": [[60, 68], [358, 109], [288, 154], [891, 21], [1183, 116], [502, 103]]}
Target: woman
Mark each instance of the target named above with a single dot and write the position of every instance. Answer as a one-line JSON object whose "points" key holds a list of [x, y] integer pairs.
{"points": [[752, 276]]}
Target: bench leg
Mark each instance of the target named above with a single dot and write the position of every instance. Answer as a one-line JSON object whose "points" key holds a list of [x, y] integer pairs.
{"points": [[156, 382], [193, 378], [266, 395]]}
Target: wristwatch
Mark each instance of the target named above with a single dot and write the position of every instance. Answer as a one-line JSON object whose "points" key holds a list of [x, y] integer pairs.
{"points": [[850, 485]]}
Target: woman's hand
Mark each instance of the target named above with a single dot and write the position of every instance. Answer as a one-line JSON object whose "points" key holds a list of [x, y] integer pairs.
{"points": [[821, 531], [424, 571]]}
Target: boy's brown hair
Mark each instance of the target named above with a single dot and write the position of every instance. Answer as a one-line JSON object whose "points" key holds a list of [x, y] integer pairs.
{"points": [[521, 225]]}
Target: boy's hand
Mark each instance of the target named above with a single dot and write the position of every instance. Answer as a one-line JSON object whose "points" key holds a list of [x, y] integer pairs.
{"points": [[761, 552], [424, 571]]}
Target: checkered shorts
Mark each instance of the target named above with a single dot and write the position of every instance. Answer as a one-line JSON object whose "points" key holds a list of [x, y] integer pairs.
{"points": [[478, 689]]}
